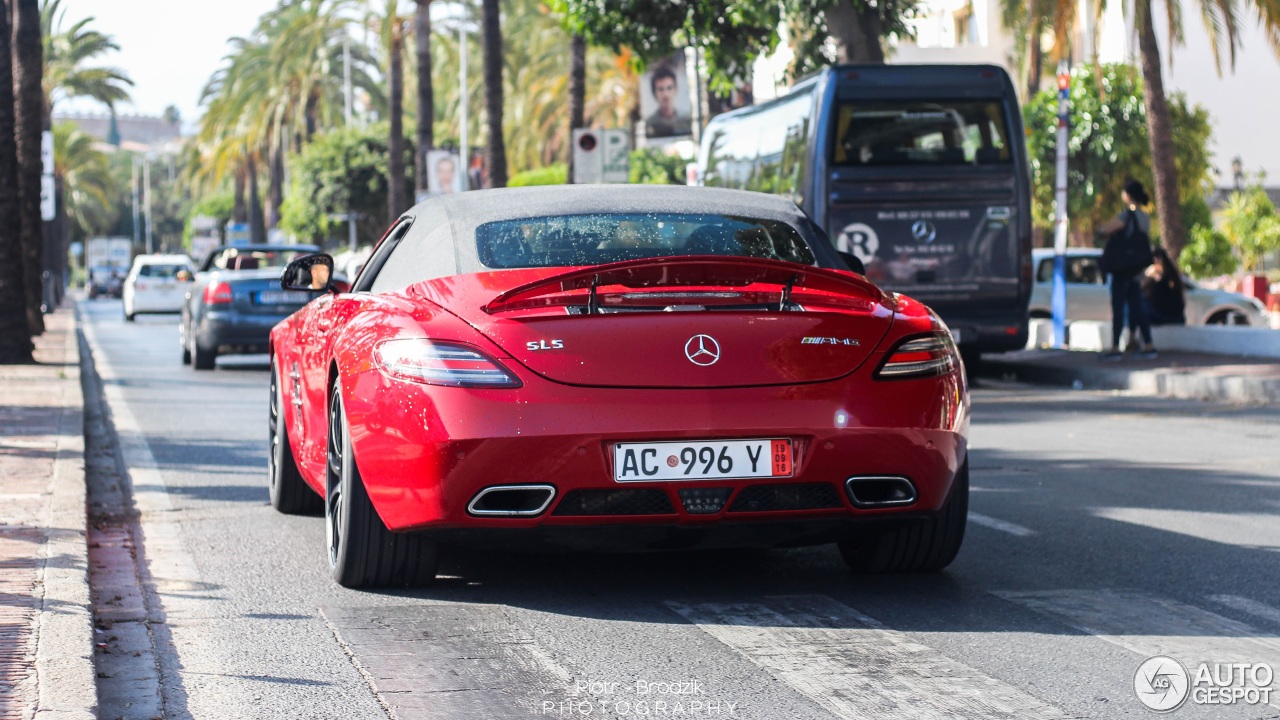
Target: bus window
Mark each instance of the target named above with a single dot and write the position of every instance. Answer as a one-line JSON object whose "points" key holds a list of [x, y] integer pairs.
{"points": [[921, 133]]}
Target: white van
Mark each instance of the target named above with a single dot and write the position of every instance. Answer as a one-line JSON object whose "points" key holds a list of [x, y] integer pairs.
{"points": [[157, 284]]}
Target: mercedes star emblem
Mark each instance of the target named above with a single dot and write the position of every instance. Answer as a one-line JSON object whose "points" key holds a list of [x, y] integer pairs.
{"points": [[702, 350]]}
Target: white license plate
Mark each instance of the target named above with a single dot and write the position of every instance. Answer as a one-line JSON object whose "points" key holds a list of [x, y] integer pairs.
{"points": [[701, 460], [281, 297]]}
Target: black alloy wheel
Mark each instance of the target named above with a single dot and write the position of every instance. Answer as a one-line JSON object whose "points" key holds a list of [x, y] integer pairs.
{"points": [[290, 494], [362, 551]]}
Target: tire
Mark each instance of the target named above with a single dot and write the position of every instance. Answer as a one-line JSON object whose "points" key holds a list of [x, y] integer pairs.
{"points": [[202, 358], [186, 355], [290, 494], [362, 552], [921, 545], [1228, 317]]}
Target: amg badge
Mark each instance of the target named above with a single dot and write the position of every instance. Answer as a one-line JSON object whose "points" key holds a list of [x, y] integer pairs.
{"points": [[829, 341]]}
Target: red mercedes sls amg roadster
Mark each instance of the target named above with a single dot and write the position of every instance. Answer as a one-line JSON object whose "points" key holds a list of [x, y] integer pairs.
{"points": [[644, 367]]}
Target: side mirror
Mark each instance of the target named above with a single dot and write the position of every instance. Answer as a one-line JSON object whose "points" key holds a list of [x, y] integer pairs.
{"points": [[309, 273], [853, 261]]}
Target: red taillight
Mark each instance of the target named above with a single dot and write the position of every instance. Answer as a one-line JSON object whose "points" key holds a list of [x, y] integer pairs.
{"points": [[217, 293], [919, 357], [439, 363]]}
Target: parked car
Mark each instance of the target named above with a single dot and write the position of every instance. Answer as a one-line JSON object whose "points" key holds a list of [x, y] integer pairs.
{"points": [[105, 281], [1089, 296], [157, 284], [235, 300], [638, 366]]}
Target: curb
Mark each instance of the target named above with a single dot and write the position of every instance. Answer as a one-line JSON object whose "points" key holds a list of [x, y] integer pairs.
{"points": [[1182, 383], [65, 677]]}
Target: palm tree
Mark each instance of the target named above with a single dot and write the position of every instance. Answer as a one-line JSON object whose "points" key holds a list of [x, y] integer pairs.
{"points": [[426, 101], [66, 55], [1222, 18], [495, 148], [15, 333], [88, 188], [391, 25], [577, 90], [28, 71]]}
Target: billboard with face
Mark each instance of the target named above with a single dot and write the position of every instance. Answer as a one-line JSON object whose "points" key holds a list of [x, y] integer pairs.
{"points": [[444, 172], [665, 100]]}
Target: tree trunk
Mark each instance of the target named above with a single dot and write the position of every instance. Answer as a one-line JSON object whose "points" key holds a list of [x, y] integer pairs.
{"points": [[857, 29], [1173, 234], [577, 91], [1036, 52], [395, 143], [28, 68], [310, 113], [426, 97], [275, 188], [257, 228], [240, 211], [496, 148], [15, 332]]}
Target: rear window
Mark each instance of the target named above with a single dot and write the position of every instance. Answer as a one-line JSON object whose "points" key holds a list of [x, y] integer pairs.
{"points": [[904, 132], [574, 240], [166, 272]]}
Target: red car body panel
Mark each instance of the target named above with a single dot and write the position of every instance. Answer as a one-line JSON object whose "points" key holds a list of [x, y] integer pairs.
{"points": [[424, 451]]}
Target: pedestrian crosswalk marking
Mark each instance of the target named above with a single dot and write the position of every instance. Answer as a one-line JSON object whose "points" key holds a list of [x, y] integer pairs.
{"points": [[1001, 525], [1149, 625], [855, 667], [1251, 530], [1252, 607]]}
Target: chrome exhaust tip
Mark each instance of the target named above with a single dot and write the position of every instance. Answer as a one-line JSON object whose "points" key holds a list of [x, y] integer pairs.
{"points": [[511, 501], [879, 491]]}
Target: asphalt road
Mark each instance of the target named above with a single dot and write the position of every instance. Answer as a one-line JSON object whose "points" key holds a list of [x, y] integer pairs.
{"points": [[1104, 530]]}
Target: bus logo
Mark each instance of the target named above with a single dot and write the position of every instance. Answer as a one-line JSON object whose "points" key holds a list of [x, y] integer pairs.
{"points": [[924, 231]]}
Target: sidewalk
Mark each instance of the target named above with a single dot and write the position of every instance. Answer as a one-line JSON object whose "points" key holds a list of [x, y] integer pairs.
{"points": [[1198, 376], [46, 662]]}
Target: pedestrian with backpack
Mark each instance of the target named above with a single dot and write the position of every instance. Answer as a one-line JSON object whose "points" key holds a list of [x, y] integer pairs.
{"points": [[1125, 257]]}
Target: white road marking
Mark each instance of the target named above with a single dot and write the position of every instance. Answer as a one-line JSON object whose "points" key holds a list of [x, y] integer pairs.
{"points": [[1150, 625], [1251, 530], [1252, 607], [853, 666], [1001, 525]]}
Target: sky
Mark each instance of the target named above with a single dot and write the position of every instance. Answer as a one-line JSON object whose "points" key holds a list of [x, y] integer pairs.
{"points": [[169, 47]]}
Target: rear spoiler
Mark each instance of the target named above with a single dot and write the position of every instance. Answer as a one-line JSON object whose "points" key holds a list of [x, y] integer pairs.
{"points": [[688, 271]]}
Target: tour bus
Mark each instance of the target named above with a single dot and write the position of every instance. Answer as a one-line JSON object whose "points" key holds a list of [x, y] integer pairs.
{"points": [[920, 171]]}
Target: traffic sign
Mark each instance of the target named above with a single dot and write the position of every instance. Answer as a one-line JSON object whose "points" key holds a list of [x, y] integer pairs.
{"points": [[47, 195], [46, 152], [615, 157]]}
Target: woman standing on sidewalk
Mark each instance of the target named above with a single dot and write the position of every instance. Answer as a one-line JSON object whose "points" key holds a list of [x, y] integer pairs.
{"points": [[1126, 256]]}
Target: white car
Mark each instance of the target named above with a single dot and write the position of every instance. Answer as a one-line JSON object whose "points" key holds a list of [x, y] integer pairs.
{"points": [[157, 284], [1089, 296]]}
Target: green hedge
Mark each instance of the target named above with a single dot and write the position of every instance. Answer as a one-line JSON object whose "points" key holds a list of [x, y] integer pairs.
{"points": [[552, 175]]}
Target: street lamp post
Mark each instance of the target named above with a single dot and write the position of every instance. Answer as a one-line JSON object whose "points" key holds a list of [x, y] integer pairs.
{"points": [[146, 190], [462, 102]]}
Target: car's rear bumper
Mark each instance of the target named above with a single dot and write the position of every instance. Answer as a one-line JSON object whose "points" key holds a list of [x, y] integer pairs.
{"points": [[236, 332], [424, 453]]}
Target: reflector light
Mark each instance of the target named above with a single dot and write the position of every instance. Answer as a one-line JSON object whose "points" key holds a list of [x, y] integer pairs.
{"points": [[927, 356], [441, 363], [217, 293]]}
